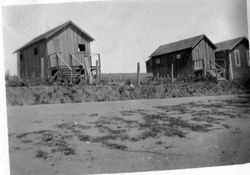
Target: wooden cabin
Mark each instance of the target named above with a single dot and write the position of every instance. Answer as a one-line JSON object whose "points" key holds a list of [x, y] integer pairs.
{"points": [[234, 56], [184, 59], [64, 49]]}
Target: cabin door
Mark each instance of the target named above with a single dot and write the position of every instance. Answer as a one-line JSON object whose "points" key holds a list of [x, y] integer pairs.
{"points": [[55, 48], [177, 66], [22, 66]]}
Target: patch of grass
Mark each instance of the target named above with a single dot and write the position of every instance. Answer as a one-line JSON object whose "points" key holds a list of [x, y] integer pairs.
{"points": [[84, 138], [168, 147], [65, 150], [127, 113], [159, 142], [41, 154], [116, 146], [171, 132], [72, 126], [26, 141], [226, 126], [22, 135], [93, 115], [207, 119], [104, 139]]}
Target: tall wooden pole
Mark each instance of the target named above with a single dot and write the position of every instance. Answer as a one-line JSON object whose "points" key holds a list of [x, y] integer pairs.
{"points": [[87, 63], [19, 65], [230, 68], [138, 74], [172, 72], [205, 67], [99, 64], [97, 71]]}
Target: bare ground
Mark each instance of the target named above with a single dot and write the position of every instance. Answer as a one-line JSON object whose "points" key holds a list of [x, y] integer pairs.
{"points": [[129, 136]]}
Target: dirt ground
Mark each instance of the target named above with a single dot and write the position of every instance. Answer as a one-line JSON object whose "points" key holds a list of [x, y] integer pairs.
{"points": [[129, 136]]}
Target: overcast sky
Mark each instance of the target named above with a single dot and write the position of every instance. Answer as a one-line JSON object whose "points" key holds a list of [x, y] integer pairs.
{"points": [[126, 32]]}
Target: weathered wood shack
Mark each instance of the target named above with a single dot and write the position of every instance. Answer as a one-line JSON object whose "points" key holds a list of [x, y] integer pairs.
{"points": [[234, 56], [183, 59], [65, 48]]}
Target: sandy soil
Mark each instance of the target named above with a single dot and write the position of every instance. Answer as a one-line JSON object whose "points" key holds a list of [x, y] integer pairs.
{"points": [[129, 136]]}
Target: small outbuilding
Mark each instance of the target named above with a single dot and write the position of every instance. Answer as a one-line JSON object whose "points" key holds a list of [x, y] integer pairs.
{"points": [[184, 59], [63, 50], [234, 56]]}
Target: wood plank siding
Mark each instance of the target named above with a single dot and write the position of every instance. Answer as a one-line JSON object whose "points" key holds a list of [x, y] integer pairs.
{"points": [[233, 55], [30, 60], [35, 57], [182, 64], [67, 42], [203, 55], [240, 70], [186, 62]]}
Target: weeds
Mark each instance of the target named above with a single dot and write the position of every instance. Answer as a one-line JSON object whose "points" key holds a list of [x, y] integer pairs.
{"points": [[116, 91], [22, 135], [41, 154], [116, 146]]}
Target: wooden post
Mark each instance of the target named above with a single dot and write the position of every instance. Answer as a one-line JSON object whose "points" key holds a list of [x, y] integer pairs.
{"points": [[71, 77], [57, 61], [172, 72], [99, 63], [205, 68], [70, 60], [19, 65], [138, 74], [231, 67], [42, 68], [97, 74]]}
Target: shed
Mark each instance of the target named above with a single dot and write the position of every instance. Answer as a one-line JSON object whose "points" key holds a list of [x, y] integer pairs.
{"points": [[65, 48], [233, 54], [183, 59]]}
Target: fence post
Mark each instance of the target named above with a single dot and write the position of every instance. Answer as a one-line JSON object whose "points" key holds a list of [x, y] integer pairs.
{"points": [[138, 74], [97, 71], [205, 68], [71, 77], [172, 72], [99, 64], [42, 68], [70, 60]]}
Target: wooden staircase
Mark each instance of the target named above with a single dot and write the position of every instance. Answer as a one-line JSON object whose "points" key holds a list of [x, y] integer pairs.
{"points": [[216, 71], [70, 74]]}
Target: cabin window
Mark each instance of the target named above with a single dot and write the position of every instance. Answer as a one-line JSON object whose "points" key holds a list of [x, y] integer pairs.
{"points": [[158, 61], [237, 58], [81, 48], [248, 59], [150, 63], [178, 56], [35, 51]]}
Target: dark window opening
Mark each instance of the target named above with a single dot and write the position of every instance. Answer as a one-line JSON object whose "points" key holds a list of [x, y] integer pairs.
{"points": [[21, 57], [35, 51], [81, 47]]}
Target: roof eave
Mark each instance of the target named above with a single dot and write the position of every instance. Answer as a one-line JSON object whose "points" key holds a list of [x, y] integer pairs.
{"points": [[204, 37], [27, 45], [238, 42]]}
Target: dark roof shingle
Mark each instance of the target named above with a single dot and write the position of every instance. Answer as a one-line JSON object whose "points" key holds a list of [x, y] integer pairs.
{"points": [[229, 44], [179, 45], [53, 31]]}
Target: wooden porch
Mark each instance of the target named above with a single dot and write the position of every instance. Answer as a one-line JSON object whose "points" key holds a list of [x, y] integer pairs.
{"points": [[74, 68]]}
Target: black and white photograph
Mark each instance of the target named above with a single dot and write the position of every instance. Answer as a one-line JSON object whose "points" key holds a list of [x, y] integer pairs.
{"points": [[126, 86]]}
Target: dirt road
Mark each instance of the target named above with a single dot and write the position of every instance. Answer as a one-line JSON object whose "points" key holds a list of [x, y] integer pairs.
{"points": [[129, 136]]}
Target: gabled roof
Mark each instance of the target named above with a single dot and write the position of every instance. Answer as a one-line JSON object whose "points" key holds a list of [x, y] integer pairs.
{"points": [[180, 45], [51, 32], [229, 44]]}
